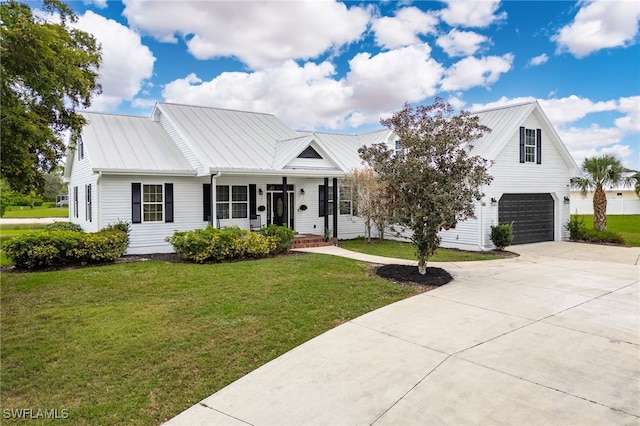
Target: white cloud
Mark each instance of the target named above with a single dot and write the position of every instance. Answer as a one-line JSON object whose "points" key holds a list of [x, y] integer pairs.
{"points": [[391, 78], [538, 60], [472, 71], [101, 4], [631, 121], [260, 34], [126, 62], [599, 25], [573, 108], [142, 103], [471, 13], [404, 28], [503, 101], [310, 96], [461, 43]]}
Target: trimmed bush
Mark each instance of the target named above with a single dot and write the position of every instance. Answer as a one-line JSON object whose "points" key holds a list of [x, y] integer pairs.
{"points": [[44, 249], [283, 235], [216, 245], [579, 232], [63, 226], [502, 235]]}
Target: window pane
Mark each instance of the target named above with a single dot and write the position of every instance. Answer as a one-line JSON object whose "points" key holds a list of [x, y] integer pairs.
{"points": [[239, 210], [345, 193], [345, 207], [222, 210], [239, 193], [152, 212], [222, 193]]}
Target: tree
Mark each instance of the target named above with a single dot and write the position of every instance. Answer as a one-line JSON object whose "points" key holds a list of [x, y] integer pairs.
{"points": [[53, 185], [598, 173], [369, 196], [48, 71], [433, 181]]}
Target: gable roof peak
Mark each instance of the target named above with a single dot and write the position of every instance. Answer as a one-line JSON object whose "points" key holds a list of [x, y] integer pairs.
{"points": [[514, 105]]}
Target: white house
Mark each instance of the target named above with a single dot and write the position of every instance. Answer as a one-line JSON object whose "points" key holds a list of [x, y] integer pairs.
{"points": [[186, 164]]}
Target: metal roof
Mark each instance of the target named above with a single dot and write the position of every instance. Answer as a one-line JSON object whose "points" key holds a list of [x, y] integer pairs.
{"points": [[121, 143]]}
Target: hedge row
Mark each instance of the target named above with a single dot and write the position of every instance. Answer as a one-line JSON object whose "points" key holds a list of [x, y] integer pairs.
{"points": [[232, 243], [47, 248]]}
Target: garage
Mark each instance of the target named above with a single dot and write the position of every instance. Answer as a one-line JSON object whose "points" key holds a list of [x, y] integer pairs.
{"points": [[531, 214]]}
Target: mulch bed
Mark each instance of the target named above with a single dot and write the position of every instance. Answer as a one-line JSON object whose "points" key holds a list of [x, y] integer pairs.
{"points": [[435, 277]]}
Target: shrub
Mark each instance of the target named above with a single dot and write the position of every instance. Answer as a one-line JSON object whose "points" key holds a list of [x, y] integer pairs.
{"points": [[595, 236], [121, 226], [502, 235], [216, 245], [26, 200], [283, 235], [48, 248], [63, 226], [576, 227]]}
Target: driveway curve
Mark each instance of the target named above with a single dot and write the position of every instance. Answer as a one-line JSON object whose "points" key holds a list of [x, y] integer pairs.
{"points": [[549, 337]]}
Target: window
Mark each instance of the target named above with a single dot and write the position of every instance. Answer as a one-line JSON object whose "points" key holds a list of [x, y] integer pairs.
{"points": [[346, 200], [321, 200], [87, 193], [530, 146], [240, 200], [80, 149], [398, 147], [309, 152], [76, 212], [232, 202], [152, 203]]}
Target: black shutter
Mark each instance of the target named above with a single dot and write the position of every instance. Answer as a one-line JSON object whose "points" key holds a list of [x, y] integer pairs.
{"points": [[88, 202], [539, 146], [75, 202], [252, 201], [522, 144], [136, 203], [206, 202], [168, 202], [321, 200]]}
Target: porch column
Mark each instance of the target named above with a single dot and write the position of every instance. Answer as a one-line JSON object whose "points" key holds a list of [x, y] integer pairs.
{"points": [[285, 200], [326, 204], [335, 207]]}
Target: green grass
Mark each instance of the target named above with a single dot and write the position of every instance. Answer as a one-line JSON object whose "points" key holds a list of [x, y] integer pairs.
{"points": [[626, 225], [138, 343], [402, 250], [39, 211]]}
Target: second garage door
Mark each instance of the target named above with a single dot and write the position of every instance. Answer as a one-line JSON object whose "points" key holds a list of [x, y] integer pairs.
{"points": [[531, 214]]}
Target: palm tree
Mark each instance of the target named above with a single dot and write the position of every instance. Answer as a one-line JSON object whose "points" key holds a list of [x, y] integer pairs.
{"points": [[598, 173]]}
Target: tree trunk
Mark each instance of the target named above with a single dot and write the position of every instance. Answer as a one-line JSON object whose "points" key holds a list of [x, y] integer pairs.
{"points": [[599, 209], [422, 264]]}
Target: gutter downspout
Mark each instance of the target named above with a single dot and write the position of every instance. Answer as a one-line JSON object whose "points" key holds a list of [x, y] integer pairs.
{"points": [[99, 200]]}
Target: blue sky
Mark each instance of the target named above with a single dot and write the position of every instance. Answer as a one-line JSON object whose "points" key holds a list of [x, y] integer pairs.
{"points": [[341, 66]]}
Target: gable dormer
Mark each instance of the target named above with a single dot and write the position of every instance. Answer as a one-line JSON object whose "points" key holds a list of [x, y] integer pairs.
{"points": [[312, 157]]}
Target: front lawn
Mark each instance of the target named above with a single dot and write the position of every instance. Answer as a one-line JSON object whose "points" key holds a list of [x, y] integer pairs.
{"points": [[627, 225], [402, 250], [46, 210], [137, 343]]}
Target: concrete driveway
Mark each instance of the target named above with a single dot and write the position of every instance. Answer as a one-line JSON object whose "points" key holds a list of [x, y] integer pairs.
{"points": [[550, 337]]}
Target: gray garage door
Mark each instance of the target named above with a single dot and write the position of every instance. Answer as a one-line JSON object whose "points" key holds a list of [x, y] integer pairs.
{"points": [[531, 214]]}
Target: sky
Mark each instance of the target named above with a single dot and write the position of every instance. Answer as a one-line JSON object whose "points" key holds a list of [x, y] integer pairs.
{"points": [[341, 66]]}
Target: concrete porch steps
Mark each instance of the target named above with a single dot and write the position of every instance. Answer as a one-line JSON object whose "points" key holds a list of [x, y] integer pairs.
{"points": [[311, 240]]}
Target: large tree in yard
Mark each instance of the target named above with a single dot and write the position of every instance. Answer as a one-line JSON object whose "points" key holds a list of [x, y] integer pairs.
{"points": [[433, 181], [49, 69], [598, 174]]}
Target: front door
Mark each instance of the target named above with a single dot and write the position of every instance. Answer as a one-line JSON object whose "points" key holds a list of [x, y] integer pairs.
{"points": [[279, 214]]}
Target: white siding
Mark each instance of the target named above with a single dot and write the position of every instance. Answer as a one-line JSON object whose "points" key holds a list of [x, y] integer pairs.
{"points": [[512, 177], [150, 237], [82, 175]]}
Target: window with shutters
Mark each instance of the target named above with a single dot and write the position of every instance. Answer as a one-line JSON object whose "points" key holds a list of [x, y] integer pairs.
{"points": [[232, 201]]}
